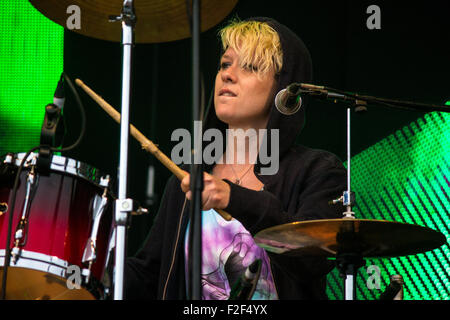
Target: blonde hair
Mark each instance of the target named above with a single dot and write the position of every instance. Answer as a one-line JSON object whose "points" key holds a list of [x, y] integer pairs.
{"points": [[256, 43]]}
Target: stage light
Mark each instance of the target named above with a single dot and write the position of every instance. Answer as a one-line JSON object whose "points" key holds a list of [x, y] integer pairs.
{"points": [[31, 60]]}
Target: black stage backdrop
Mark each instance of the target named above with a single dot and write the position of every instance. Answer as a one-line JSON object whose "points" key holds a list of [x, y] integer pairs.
{"points": [[408, 59]]}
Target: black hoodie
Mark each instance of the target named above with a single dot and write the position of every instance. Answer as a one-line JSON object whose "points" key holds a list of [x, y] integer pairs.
{"points": [[306, 180]]}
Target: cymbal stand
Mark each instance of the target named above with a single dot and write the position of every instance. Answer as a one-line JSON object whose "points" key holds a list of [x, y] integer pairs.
{"points": [[123, 206], [348, 268], [348, 263]]}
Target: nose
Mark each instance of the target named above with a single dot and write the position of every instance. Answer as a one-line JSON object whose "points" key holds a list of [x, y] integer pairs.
{"points": [[229, 74]]}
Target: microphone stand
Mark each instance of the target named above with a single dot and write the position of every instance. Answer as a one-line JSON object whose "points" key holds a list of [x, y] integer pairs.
{"points": [[196, 181], [348, 262], [123, 206], [361, 101]]}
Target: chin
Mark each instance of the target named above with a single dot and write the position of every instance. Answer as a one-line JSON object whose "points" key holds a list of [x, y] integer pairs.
{"points": [[224, 113], [224, 117]]}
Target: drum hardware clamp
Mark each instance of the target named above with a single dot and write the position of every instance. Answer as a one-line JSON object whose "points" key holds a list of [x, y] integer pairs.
{"points": [[131, 206]]}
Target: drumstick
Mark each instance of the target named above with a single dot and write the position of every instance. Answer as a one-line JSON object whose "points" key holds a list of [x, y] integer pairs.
{"points": [[145, 143]]}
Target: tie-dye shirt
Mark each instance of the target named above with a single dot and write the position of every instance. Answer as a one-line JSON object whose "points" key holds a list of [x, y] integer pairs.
{"points": [[228, 249]]}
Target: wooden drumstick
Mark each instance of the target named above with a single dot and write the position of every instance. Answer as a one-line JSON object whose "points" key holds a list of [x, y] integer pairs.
{"points": [[145, 143]]}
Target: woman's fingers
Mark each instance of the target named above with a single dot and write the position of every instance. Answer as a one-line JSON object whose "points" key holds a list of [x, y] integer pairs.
{"points": [[215, 194]]}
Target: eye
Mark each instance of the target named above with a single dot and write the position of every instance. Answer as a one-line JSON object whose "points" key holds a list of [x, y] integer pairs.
{"points": [[224, 65]]}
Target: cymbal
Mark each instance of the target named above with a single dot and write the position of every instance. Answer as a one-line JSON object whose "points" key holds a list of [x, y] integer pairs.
{"points": [[157, 20], [363, 237]]}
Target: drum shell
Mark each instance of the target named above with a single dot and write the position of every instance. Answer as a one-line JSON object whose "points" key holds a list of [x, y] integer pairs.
{"points": [[60, 220]]}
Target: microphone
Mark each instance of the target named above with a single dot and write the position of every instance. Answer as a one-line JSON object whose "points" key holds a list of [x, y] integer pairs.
{"points": [[246, 285], [53, 127], [288, 101], [59, 97]]}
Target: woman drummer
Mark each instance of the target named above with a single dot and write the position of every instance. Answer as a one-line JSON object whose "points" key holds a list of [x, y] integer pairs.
{"points": [[279, 183]]}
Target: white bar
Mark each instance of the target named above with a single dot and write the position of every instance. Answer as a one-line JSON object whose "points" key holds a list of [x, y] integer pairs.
{"points": [[121, 216], [348, 151], [349, 287]]}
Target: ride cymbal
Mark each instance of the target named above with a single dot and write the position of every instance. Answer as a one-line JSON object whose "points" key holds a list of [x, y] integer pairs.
{"points": [[362, 237], [157, 20]]}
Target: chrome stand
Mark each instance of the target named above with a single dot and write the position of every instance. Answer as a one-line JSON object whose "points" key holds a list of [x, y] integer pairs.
{"points": [[123, 206], [349, 270], [348, 262]]}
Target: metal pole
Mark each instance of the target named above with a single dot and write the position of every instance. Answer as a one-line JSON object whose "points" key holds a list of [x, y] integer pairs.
{"points": [[348, 151], [123, 206], [348, 197], [349, 287], [350, 274], [196, 168]]}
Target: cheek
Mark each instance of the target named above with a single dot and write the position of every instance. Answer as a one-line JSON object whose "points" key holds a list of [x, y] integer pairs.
{"points": [[217, 85], [262, 97], [218, 82], [269, 93]]}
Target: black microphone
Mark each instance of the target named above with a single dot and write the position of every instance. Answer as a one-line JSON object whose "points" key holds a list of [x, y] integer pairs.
{"points": [[53, 127], [59, 97], [246, 285], [288, 101]]}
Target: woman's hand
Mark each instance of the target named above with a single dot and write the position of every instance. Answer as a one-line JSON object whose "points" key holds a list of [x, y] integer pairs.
{"points": [[215, 195]]}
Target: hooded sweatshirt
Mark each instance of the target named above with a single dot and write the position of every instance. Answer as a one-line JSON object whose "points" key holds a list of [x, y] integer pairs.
{"points": [[300, 190]]}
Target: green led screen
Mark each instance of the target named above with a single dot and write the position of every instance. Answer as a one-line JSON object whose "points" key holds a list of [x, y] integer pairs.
{"points": [[31, 62], [405, 178]]}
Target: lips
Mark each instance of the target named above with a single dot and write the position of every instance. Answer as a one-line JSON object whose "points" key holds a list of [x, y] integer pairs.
{"points": [[226, 93]]}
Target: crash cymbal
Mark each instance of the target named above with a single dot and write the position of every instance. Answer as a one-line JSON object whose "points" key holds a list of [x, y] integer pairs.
{"points": [[157, 20], [362, 237]]}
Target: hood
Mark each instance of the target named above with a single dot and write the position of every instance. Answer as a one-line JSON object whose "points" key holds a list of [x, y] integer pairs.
{"points": [[297, 67]]}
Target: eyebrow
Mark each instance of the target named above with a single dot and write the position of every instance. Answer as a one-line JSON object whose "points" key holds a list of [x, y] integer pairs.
{"points": [[226, 56]]}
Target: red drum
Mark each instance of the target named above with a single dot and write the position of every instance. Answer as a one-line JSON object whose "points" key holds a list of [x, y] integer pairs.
{"points": [[61, 229]]}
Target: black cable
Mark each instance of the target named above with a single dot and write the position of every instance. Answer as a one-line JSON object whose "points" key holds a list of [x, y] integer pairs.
{"points": [[17, 178], [83, 118]]}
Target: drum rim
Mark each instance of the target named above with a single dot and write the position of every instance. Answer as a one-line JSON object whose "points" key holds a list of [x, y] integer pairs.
{"points": [[41, 262], [37, 261], [64, 165]]}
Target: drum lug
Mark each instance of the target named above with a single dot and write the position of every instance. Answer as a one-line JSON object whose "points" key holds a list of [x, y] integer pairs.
{"points": [[15, 252], [90, 254], [87, 273], [21, 229], [19, 235]]}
